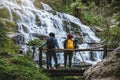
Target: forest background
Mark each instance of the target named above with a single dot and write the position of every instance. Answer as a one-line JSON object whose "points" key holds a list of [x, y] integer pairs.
{"points": [[101, 15]]}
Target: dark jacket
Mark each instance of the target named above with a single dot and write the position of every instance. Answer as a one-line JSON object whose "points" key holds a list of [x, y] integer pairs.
{"points": [[54, 40]]}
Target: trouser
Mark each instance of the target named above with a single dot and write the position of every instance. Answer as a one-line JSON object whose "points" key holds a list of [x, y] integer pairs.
{"points": [[50, 54], [70, 55]]}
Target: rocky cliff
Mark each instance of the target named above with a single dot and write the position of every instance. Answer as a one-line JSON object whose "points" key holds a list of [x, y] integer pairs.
{"points": [[107, 69]]}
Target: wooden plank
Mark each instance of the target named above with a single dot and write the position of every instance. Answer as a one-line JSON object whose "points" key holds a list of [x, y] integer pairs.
{"points": [[61, 50], [65, 72]]}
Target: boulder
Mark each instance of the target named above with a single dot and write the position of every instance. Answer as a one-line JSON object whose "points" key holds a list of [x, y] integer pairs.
{"points": [[107, 69]]}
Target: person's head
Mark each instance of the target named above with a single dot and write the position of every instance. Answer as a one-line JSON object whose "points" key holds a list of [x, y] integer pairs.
{"points": [[69, 36], [52, 34]]}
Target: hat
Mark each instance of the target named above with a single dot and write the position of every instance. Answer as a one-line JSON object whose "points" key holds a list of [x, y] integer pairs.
{"points": [[69, 36], [52, 34]]}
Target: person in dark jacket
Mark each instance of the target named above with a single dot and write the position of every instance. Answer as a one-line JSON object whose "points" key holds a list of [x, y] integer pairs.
{"points": [[51, 43]]}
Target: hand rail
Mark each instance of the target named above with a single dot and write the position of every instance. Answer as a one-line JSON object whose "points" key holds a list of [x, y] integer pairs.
{"points": [[89, 49]]}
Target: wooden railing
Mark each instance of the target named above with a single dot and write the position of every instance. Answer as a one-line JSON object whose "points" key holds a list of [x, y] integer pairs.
{"points": [[105, 50]]}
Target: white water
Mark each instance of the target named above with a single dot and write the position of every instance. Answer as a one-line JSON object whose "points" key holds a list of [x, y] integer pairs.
{"points": [[48, 22]]}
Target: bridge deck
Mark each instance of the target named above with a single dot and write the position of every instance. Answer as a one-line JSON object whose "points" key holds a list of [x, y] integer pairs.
{"points": [[65, 72]]}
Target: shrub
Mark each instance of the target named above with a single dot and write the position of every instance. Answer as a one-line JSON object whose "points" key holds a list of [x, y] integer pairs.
{"points": [[20, 68]]}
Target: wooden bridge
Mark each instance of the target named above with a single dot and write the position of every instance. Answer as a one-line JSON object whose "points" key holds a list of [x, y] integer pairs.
{"points": [[65, 72], [72, 71]]}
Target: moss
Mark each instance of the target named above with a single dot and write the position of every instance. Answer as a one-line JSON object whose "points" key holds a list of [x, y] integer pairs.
{"points": [[11, 26], [37, 4], [2, 22], [4, 13], [15, 16], [75, 27]]}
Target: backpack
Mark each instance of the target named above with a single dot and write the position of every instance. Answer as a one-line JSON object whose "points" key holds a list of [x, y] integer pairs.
{"points": [[69, 44], [76, 44], [50, 43]]}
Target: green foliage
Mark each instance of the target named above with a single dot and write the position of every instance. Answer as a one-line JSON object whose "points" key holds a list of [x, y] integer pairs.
{"points": [[117, 17], [22, 61], [115, 5], [3, 37], [80, 10], [78, 5], [29, 53], [3, 62], [93, 19], [66, 9], [6, 44], [20, 68], [112, 38], [11, 26], [35, 42]]}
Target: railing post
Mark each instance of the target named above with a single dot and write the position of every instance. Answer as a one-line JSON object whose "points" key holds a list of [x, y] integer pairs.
{"points": [[40, 57], [105, 51], [33, 52], [47, 61]]}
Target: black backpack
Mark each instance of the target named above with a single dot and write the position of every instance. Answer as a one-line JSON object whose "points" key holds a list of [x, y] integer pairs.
{"points": [[65, 43], [50, 44]]}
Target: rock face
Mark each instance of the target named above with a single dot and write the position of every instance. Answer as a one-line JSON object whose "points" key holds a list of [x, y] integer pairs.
{"points": [[107, 69]]}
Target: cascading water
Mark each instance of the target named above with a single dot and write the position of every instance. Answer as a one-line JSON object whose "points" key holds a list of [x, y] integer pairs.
{"points": [[33, 21]]}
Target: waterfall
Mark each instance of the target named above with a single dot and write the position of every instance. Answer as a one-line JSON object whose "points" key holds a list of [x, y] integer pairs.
{"points": [[33, 21]]}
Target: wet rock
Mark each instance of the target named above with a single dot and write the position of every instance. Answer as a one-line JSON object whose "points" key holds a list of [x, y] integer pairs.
{"points": [[96, 29], [19, 38], [107, 69]]}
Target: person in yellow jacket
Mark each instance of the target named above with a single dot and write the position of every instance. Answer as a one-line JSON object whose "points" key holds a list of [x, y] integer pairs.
{"points": [[68, 44]]}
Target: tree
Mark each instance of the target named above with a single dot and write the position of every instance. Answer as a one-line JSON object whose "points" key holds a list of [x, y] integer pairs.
{"points": [[33, 44]]}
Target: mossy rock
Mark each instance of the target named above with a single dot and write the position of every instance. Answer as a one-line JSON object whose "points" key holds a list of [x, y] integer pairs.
{"points": [[4, 13], [15, 16], [38, 4], [2, 22], [9, 25]]}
